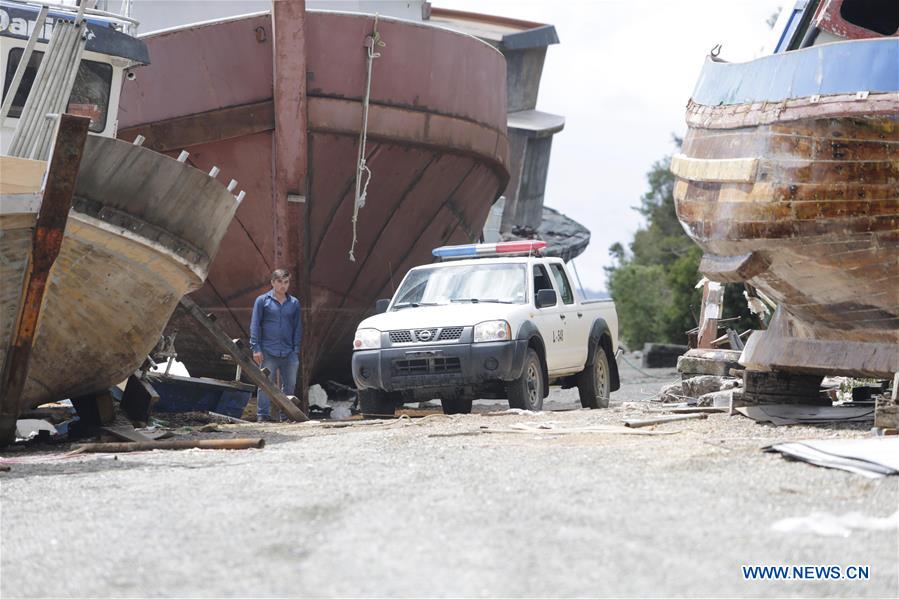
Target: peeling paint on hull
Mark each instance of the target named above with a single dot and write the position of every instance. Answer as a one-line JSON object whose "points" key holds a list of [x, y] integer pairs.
{"points": [[822, 211]]}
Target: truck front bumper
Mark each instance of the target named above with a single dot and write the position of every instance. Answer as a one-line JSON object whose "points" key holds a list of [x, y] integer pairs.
{"points": [[458, 365]]}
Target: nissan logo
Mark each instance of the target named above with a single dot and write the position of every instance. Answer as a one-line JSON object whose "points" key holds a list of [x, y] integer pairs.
{"points": [[424, 335]]}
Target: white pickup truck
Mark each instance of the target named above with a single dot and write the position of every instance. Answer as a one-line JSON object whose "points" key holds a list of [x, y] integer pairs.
{"points": [[503, 324]]}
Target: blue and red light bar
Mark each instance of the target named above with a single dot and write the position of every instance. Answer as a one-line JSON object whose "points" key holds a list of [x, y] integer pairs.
{"points": [[483, 250]]}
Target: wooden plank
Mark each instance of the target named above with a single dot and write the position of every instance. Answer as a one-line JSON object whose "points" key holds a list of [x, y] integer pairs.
{"points": [[21, 175], [171, 444], [712, 305], [127, 433], [733, 269], [720, 170], [243, 357], [138, 398], [694, 410], [639, 423]]}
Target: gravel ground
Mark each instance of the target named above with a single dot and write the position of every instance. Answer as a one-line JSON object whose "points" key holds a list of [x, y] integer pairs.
{"points": [[436, 507]]}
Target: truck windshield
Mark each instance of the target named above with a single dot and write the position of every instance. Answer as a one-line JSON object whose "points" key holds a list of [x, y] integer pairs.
{"points": [[501, 283]]}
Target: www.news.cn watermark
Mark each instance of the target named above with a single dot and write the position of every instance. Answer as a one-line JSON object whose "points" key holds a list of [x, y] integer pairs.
{"points": [[806, 572]]}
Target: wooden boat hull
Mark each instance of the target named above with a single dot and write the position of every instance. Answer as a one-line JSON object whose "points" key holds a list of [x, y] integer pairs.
{"points": [[437, 151], [141, 233], [800, 197]]}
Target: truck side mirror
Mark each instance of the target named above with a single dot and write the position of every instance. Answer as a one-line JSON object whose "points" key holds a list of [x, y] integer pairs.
{"points": [[381, 306], [546, 297]]}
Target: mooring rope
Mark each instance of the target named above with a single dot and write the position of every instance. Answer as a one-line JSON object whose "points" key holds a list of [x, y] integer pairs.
{"points": [[372, 42]]}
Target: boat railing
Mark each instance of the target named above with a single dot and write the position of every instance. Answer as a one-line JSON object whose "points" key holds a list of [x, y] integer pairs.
{"points": [[121, 19]]}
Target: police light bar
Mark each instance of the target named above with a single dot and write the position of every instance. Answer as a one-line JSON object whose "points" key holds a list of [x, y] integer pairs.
{"points": [[483, 250]]}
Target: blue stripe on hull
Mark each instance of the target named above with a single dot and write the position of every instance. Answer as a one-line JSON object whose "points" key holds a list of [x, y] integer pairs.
{"points": [[838, 68]]}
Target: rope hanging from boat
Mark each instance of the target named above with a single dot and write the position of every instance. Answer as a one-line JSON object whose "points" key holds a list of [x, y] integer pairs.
{"points": [[372, 42]]}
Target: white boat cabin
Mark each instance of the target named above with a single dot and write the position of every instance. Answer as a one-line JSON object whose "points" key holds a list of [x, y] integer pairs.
{"points": [[111, 50]]}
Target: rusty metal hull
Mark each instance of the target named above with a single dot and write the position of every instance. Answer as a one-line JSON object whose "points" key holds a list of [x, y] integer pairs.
{"points": [[437, 150], [801, 198], [142, 231]]}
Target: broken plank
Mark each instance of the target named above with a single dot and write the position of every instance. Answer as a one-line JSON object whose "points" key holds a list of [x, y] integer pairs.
{"points": [[138, 398], [638, 423], [174, 444], [693, 410], [127, 433]]}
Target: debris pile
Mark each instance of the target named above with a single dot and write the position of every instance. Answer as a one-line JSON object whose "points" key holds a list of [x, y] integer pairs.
{"points": [[708, 378]]}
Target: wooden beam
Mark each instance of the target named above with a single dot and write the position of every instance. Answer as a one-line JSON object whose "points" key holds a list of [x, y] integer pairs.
{"points": [[171, 444], [712, 305], [21, 175], [639, 423], [733, 269], [243, 358], [715, 170]]}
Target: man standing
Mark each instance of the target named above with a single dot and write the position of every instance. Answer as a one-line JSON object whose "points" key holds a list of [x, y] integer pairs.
{"points": [[275, 335]]}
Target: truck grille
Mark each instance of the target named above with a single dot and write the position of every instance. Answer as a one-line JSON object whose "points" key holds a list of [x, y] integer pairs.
{"points": [[450, 333], [427, 366], [426, 335], [401, 336]]}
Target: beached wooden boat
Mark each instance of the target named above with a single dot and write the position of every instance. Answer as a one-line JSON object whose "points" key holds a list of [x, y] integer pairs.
{"points": [[142, 231], [789, 180]]}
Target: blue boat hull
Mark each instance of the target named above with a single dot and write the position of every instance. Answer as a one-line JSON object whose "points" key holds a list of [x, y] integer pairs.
{"points": [[185, 394]]}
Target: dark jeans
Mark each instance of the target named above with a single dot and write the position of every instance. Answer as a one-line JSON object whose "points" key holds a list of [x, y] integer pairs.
{"points": [[287, 366]]}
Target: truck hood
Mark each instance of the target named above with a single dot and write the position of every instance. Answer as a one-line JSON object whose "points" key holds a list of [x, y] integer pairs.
{"points": [[452, 315]]}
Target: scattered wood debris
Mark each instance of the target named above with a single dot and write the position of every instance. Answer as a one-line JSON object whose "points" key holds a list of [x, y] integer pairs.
{"points": [[553, 428], [693, 410], [641, 422], [171, 444]]}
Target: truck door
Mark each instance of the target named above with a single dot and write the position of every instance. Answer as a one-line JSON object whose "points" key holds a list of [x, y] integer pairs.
{"points": [[550, 321], [577, 329]]}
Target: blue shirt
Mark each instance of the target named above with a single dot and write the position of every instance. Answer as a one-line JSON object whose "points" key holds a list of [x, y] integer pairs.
{"points": [[276, 328]]}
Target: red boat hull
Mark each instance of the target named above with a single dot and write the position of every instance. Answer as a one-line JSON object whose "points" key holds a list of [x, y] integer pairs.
{"points": [[287, 128]]}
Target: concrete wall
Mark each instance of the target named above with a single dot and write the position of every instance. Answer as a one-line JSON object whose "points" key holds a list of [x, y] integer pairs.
{"points": [[523, 71], [526, 209]]}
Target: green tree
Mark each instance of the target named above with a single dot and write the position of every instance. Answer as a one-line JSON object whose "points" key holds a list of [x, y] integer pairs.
{"points": [[654, 283], [641, 315]]}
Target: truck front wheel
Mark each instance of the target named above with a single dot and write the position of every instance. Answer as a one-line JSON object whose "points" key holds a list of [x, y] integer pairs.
{"points": [[374, 403], [594, 383], [526, 392]]}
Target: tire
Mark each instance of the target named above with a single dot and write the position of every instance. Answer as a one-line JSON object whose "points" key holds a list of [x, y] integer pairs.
{"points": [[526, 392], [458, 405], [374, 404], [7, 430], [594, 383]]}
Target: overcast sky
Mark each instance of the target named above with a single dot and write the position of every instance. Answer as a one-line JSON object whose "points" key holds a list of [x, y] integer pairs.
{"points": [[621, 76]]}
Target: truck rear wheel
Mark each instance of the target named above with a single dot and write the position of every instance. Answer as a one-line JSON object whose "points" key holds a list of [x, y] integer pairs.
{"points": [[374, 403], [594, 383], [526, 392], [457, 405]]}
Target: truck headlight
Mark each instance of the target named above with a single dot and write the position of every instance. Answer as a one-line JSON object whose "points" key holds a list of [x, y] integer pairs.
{"points": [[492, 330], [367, 339]]}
